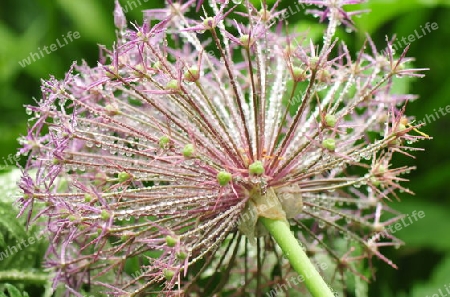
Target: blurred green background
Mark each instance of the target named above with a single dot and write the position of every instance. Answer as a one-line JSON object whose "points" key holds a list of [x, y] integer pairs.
{"points": [[424, 262]]}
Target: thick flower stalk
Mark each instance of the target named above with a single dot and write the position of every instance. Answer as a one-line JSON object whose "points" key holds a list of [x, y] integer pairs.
{"points": [[190, 136]]}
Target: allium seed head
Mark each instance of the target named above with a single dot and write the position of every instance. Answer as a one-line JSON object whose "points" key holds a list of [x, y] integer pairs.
{"points": [[168, 152]]}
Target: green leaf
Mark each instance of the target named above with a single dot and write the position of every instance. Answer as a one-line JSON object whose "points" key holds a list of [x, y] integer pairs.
{"points": [[21, 249], [257, 3], [383, 11], [442, 272], [416, 232], [91, 19], [437, 284], [7, 65], [12, 292], [10, 227]]}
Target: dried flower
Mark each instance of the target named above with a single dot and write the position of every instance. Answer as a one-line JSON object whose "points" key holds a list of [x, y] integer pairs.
{"points": [[167, 153]]}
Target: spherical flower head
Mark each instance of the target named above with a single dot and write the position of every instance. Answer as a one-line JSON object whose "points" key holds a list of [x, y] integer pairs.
{"points": [[170, 155]]}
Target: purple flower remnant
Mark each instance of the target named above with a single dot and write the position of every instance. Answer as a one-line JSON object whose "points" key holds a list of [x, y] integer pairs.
{"points": [[167, 152], [334, 11]]}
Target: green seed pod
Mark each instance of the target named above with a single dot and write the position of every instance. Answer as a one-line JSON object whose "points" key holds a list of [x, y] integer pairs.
{"points": [[379, 170], [140, 70], [329, 144], [375, 181], [330, 120], [188, 150], [123, 176], [313, 62], [164, 142], [112, 72], [192, 74], [157, 65], [224, 178], [298, 74], [105, 215], [173, 85], [181, 256], [245, 40], [171, 241], [112, 110], [168, 274], [100, 179], [257, 168], [324, 76], [400, 128], [87, 197], [209, 23]]}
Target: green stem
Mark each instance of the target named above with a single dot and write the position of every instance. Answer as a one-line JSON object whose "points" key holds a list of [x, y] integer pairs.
{"points": [[25, 276], [292, 250]]}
